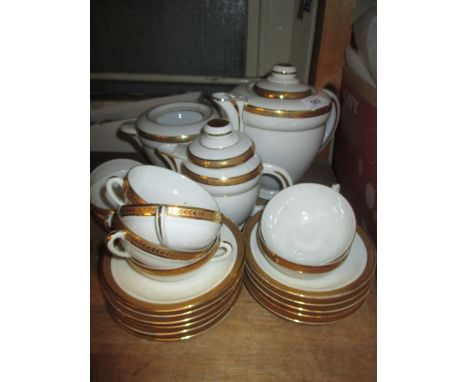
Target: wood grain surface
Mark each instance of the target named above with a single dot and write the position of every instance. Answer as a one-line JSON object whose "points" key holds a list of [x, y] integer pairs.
{"points": [[250, 344]]}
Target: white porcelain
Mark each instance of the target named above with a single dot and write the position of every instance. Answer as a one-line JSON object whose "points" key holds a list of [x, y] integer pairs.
{"points": [[161, 186], [283, 138], [352, 267], [178, 121], [128, 250], [99, 199], [234, 186], [308, 224], [161, 292]]}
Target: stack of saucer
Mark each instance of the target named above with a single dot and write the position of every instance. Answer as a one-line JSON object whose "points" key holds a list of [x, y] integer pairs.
{"points": [[178, 310], [175, 263], [309, 269]]}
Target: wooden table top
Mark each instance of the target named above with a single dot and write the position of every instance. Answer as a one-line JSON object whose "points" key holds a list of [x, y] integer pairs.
{"points": [[250, 344]]}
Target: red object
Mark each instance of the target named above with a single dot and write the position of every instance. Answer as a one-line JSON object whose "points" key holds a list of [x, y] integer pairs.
{"points": [[355, 150]]}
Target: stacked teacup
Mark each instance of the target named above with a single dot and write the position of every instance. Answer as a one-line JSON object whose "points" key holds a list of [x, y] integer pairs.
{"points": [[307, 261], [176, 261]]}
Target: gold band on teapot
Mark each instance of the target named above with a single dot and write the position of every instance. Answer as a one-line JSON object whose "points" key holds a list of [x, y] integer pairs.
{"points": [[287, 113], [223, 181], [273, 94], [230, 162]]}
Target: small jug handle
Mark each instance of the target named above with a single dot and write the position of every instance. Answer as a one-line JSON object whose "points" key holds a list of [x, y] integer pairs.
{"points": [[128, 129], [279, 173], [333, 119]]}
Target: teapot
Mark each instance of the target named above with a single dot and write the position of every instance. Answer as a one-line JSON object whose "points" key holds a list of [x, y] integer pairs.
{"points": [[224, 161], [289, 121]]}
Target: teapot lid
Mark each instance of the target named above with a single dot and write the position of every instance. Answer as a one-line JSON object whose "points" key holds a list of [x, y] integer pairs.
{"points": [[219, 146], [282, 83]]}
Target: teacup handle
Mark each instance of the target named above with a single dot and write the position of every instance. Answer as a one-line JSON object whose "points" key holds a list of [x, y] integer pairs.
{"points": [[279, 173], [115, 180], [227, 247], [336, 187], [333, 119], [110, 243]]}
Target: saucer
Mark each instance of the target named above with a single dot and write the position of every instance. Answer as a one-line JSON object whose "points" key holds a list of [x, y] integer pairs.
{"points": [[343, 281], [326, 298], [170, 311], [185, 324]]}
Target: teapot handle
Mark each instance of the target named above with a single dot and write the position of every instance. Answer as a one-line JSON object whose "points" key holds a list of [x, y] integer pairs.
{"points": [[333, 119]]}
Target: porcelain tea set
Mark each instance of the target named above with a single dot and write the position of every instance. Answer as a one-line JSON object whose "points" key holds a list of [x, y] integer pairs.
{"points": [[175, 253]]}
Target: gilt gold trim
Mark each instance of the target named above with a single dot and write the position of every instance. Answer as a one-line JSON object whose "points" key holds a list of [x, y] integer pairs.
{"points": [[165, 139], [287, 113], [308, 269], [329, 295], [223, 181], [273, 94], [175, 211], [141, 268], [143, 306], [159, 250], [130, 193], [230, 162], [297, 316]]}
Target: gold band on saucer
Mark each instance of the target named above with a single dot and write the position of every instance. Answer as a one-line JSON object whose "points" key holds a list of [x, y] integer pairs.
{"points": [[287, 113], [334, 295], [309, 269], [187, 305], [182, 333], [272, 94], [298, 317], [223, 181], [175, 211], [159, 250], [222, 163], [165, 139]]}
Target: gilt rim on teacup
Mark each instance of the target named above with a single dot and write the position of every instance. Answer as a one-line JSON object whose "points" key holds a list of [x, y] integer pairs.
{"points": [[234, 274], [299, 268], [159, 250], [171, 210], [342, 292]]}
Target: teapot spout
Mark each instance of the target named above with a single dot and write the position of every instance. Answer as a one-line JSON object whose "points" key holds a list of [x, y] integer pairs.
{"points": [[232, 106]]}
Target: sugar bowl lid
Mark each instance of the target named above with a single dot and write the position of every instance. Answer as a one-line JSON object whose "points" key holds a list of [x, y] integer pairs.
{"points": [[219, 146]]}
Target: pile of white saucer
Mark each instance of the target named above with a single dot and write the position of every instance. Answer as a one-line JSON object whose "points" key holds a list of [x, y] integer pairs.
{"points": [[174, 264], [307, 261]]}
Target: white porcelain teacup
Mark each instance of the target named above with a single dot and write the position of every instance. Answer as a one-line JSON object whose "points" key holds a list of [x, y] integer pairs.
{"points": [[307, 228], [152, 184], [154, 259], [102, 207]]}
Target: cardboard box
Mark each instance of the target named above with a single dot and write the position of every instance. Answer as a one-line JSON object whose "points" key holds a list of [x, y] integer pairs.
{"points": [[355, 150]]}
